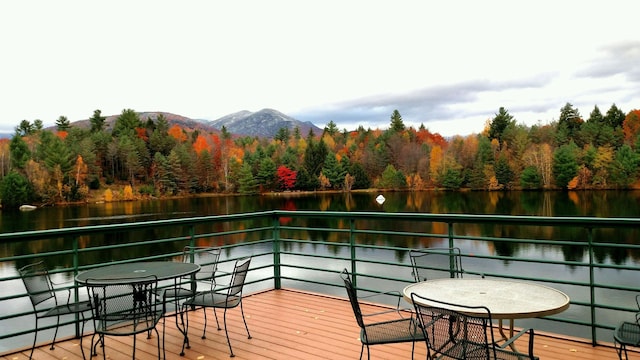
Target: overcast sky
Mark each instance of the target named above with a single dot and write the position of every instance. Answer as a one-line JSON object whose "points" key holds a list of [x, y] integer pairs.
{"points": [[449, 65]]}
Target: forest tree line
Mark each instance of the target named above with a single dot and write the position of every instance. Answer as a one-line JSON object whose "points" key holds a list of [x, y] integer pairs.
{"points": [[154, 158]]}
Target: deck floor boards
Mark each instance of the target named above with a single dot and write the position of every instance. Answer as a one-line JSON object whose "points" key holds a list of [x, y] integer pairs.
{"points": [[289, 324]]}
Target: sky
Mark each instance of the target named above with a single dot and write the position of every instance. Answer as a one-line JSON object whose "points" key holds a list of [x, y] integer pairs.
{"points": [[449, 65]]}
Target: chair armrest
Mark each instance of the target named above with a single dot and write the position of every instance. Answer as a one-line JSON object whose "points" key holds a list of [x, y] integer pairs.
{"points": [[397, 308], [58, 287]]}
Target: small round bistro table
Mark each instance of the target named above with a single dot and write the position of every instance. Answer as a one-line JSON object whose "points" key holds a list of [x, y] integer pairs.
{"points": [[162, 270]]}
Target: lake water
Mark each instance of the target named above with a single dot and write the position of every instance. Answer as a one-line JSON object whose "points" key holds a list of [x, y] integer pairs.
{"points": [[585, 203]]}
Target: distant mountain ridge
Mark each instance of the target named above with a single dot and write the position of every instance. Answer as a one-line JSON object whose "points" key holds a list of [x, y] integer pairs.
{"points": [[263, 123]]}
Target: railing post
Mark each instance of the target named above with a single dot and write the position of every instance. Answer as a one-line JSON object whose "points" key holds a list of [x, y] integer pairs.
{"points": [[592, 289], [452, 259], [277, 281], [352, 247], [76, 295]]}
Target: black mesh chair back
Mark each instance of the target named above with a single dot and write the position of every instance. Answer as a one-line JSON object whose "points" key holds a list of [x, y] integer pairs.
{"points": [[125, 307], [188, 286], [463, 332], [225, 297], [397, 330], [431, 263], [627, 333], [42, 295], [207, 258], [353, 298]]}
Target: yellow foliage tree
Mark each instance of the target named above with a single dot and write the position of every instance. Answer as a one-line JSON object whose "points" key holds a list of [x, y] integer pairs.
{"points": [[108, 195], [127, 193]]}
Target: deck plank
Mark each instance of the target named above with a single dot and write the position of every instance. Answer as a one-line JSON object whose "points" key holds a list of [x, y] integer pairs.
{"points": [[288, 324]]}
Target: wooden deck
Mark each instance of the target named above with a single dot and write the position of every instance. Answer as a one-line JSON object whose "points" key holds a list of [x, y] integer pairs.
{"points": [[289, 324]]}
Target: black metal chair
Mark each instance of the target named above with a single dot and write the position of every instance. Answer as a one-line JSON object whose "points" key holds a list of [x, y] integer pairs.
{"points": [[42, 293], [225, 297], [203, 280], [125, 307], [429, 263], [464, 333], [399, 330], [627, 334]]}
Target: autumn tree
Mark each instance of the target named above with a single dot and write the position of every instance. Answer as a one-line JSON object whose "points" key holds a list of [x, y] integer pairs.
{"points": [[286, 178], [631, 126]]}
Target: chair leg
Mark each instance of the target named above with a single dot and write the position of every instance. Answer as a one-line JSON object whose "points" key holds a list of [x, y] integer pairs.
{"points": [[35, 337], [245, 321], [204, 331], [55, 333], [361, 351], [217, 322], [227, 333]]}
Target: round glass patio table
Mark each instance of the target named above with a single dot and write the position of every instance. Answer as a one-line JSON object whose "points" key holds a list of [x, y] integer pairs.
{"points": [[162, 270], [506, 299]]}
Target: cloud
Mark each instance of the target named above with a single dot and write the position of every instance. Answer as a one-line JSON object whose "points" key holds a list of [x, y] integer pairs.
{"points": [[621, 58], [436, 103]]}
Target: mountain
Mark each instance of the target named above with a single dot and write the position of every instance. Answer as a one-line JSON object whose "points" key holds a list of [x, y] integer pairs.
{"points": [[263, 123]]}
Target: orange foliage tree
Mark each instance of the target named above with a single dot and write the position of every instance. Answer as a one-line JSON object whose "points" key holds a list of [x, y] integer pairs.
{"points": [[177, 133]]}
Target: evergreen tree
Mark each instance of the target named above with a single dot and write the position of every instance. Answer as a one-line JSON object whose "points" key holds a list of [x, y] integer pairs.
{"points": [[331, 128], [451, 178], [314, 156], [283, 135], [267, 173], [19, 151], [503, 171], [126, 123], [397, 124], [565, 165], [614, 117], [15, 190], [624, 168], [362, 180], [97, 121], [499, 124], [63, 124], [247, 183], [531, 178], [25, 128], [333, 170], [570, 121]]}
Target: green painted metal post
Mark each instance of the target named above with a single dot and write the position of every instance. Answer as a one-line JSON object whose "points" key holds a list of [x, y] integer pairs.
{"points": [[76, 295], [277, 281], [352, 247], [452, 259], [592, 288]]}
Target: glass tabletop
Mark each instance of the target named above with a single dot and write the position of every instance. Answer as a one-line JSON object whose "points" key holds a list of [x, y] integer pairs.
{"points": [[161, 269]]}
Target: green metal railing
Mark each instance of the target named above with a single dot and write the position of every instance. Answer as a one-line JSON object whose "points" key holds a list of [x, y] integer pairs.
{"points": [[592, 259]]}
